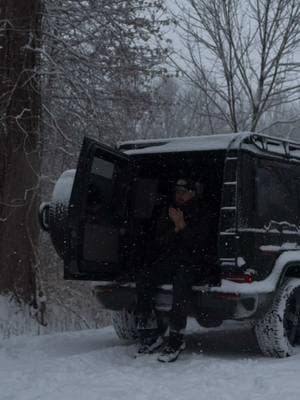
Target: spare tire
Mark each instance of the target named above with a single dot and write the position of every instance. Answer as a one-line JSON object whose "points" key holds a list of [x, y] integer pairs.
{"points": [[54, 215]]}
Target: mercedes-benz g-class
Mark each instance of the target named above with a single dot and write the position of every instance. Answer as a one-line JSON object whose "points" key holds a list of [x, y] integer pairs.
{"points": [[100, 216]]}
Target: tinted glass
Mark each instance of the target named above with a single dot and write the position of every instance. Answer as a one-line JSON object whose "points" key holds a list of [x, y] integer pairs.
{"points": [[103, 168], [277, 192]]}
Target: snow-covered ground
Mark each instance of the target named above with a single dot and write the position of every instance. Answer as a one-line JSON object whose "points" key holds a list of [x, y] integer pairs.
{"points": [[218, 364]]}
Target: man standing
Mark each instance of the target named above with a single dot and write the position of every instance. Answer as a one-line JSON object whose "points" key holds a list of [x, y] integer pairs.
{"points": [[181, 240]]}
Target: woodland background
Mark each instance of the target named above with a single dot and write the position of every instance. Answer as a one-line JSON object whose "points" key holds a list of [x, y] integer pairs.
{"points": [[117, 70]]}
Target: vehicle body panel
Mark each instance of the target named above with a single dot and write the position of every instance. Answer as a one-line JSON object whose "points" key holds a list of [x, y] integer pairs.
{"points": [[257, 199]]}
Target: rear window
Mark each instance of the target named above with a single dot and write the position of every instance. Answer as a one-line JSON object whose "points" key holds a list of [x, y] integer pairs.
{"points": [[271, 192], [277, 194]]}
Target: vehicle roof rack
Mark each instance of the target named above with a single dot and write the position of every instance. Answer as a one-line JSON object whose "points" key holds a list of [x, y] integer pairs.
{"points": [[142, 144], [273, 145], [278, 146]]}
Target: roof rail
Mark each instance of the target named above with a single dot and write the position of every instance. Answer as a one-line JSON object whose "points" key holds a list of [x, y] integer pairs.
{"points": [[279, 146]]}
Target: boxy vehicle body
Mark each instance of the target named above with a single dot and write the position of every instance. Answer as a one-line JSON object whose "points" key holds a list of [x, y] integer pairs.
{"points": [[100, 216]]}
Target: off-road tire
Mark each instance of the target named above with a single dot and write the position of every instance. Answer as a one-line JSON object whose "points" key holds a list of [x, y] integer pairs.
{"points": [[125, 324], [59, 211], [274, 331]]}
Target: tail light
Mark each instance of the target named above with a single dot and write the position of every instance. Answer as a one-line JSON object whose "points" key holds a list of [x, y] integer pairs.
{"points": [[238, 278]]}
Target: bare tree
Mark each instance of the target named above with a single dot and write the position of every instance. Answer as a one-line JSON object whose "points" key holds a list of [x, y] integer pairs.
{"points": [[100, 58], [20, 23], [242, 55], [89, 72], [179, 110]]}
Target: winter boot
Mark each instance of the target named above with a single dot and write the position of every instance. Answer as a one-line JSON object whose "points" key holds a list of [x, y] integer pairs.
{"points": [[149, 344], [173, 348], [150, 339]]}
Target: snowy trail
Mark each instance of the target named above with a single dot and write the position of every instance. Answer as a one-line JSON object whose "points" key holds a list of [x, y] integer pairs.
{"points": [[95, 365]]}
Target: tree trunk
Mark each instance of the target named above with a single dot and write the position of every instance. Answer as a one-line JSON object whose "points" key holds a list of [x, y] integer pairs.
{"points": [[20, 105]]}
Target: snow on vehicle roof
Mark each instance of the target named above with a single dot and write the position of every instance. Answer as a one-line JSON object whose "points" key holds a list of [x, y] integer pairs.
{"points": [[179, 144], [275, 146]]}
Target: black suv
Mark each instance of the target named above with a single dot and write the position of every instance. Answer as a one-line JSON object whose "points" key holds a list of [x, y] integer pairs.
{"points": [[100, 215]]}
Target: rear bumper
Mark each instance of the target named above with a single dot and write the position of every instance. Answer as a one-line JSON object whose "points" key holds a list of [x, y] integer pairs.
{"points": [[205, 300]]}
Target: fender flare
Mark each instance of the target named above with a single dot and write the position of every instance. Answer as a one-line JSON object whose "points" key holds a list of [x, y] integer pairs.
{"points": [[286, 260], [288, 266]]}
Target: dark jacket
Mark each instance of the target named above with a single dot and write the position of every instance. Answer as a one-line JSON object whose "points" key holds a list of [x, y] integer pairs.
{"points": [[195, 244]]}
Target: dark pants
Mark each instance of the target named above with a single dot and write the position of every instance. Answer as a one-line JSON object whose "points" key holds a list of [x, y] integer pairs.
{"points": [[163, 271]]}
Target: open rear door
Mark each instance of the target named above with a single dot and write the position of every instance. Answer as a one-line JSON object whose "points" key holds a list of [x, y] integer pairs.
{"points": [[97, 213]]}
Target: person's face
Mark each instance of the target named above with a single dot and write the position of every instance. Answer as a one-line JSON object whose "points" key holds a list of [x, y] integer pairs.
{"points": [[183, 196]]}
